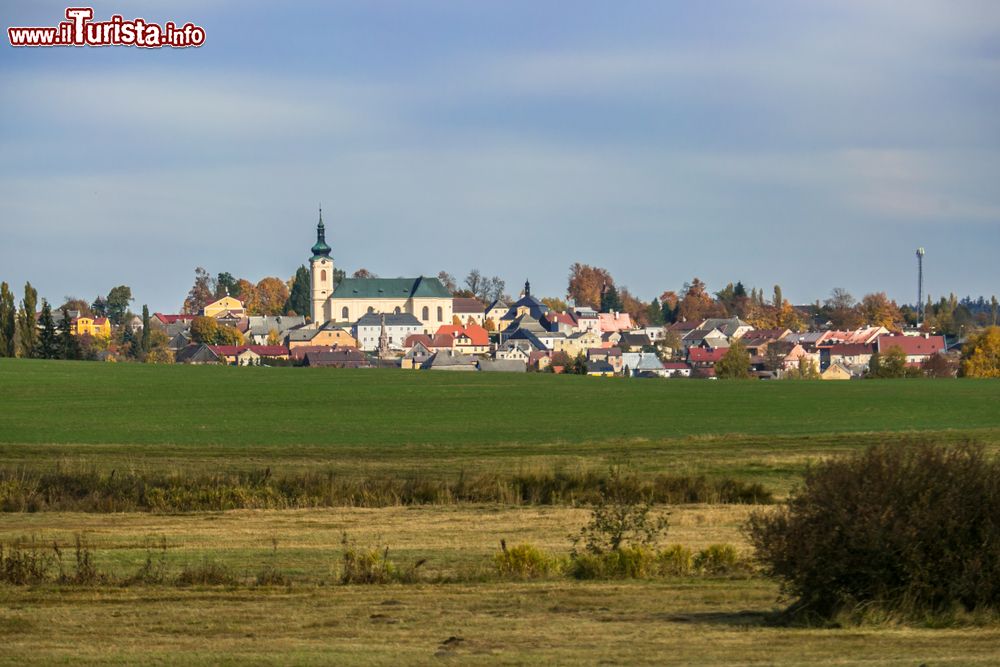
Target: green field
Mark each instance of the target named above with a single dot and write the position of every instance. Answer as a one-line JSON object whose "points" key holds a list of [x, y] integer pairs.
{"points": [[213, 419], [369, 420]]}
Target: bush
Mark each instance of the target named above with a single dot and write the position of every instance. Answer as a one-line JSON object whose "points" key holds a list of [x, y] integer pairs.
{"points": [[913, 529], [630, 562], [524, 561], [675, 560], [620, 518], [24, 563], [718, 559], [373, 566], [206, 573]]}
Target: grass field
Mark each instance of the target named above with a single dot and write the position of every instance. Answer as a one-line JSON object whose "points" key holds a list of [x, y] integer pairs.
{"points": [[204, 419]]}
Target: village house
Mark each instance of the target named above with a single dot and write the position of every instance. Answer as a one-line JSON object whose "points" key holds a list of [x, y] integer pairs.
{"points": [[327, 336], [676, 369], [468, 311], [260, 328], [645, 364], [612, 355], [225, 308], [836, 371], [614, 321], [917, 348], [91, 326], [398, 326]]}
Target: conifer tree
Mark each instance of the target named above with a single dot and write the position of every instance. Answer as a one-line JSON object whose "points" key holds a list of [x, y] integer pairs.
{"points": [[68, 342], [26, 325], [48, 343]]}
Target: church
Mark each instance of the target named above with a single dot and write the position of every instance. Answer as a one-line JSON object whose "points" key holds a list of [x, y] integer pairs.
{"points": [[425, 298]]}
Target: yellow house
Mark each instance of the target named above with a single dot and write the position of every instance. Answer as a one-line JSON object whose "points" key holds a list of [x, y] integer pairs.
{"points": [[579, 343], [92, 326], [225, 304], [329, 337], [836, 372]]}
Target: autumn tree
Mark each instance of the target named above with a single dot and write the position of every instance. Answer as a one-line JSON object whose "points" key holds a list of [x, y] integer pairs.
{"points": [[474, 281], [668, 305], [734, 364], [159, 352], [363, 273], [269, 297], [201, 293], [555, 304], [26, 329], [696, 304], [842, 309], [448, 281], [981, 355], [273, 337], [890, 364], [586, 284], [8, 322], [878, 310], [300, 296], [77, 304], [804, 370], [204, 330]]}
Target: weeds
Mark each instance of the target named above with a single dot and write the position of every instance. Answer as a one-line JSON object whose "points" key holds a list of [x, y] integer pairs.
{"points": [[525, 561]]}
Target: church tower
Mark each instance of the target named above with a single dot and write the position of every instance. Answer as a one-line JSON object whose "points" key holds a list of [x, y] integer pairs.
{"points": [[321, 266]]}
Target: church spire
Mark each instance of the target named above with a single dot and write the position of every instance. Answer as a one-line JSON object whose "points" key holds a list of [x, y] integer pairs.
{"points": [[527, 288], [320, 249]]}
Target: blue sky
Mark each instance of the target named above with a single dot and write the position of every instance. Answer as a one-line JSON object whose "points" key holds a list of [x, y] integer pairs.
{"points": [[812, 144]]}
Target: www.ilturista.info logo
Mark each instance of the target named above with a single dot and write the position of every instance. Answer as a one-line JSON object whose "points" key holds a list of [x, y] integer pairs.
{"points": [[79, 30]]}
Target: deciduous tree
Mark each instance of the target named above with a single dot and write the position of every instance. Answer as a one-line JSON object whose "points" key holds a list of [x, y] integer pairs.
{"points": [[878, 310], [363, 273], [696, 304], [201, 293], [270, 295], [118, 302], [8, 322], [981, 355], [27, 332], [734, 364], [448, 281], [586, 284]]}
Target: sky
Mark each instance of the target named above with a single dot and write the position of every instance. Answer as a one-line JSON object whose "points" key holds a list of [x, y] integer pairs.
{"points": [[810, 144]]}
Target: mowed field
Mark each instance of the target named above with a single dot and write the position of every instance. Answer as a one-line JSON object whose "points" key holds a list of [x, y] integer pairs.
{"points": [[407, 423]]}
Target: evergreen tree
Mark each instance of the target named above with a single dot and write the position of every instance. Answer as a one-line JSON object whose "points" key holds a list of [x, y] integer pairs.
{"points": [[8, 322], [26, 325], [610, 300], [48, 343], [299, 298], [145, 329], [68, 342], [739, 291], [99, 307], [655, 313]]}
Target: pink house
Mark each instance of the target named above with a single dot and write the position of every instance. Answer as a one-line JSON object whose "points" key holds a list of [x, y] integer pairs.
{"points": [[614, 321]]}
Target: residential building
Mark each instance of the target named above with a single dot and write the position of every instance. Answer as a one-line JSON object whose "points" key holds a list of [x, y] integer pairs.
{"points": [[397, 326]]}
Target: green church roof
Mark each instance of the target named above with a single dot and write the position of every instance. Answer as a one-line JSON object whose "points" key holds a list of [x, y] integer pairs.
{"points": [[320, 249], [390, 288]]}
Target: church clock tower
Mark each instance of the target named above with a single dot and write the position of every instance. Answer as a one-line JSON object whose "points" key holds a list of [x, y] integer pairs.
{"points": [[321, 266]]}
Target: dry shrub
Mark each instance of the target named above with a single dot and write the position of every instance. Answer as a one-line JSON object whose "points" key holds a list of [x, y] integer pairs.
{"points": [[524, 561], [910, 529]]}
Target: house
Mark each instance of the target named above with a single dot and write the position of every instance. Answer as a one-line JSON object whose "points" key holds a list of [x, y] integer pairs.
{"points": [[248, 358], [706, 337], [600, 369], [578, 343], [863, 336], [797, 353], [416, 356], [757, 340], [164, 320], [917, 348], [329, 335], [494, 314], [448, 360], [92, 326], [227, 306], [197, 354], [836, 371], [612, 355], [230, 353], [398, 326], [677, 369], [516, 350], [260, 328], [470, 339], [642, 363], [561, 322], [634, 340], [730, 327], [614, 321], [540, 359], [849, 355], [469, 311], [502, 366], [180, 340], [339, 358], [699, 357], [586, 319]]}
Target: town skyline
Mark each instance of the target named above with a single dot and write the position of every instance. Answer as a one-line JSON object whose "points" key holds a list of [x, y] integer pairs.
{"points": [[811, 147]]}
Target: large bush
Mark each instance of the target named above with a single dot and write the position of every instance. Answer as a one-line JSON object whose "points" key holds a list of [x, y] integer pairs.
{"points": [[912, 529]]}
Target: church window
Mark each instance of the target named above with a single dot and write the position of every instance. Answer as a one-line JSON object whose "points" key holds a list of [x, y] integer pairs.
{"points": [[322, 275], [440, 313], [344, 315], [426, 313]]}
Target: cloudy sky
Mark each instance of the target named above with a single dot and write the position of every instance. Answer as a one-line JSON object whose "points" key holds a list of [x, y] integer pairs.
{"points": [[812, 144]]}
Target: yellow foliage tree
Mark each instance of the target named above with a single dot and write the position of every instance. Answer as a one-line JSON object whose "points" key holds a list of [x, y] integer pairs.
{"points": [[981, 355]]}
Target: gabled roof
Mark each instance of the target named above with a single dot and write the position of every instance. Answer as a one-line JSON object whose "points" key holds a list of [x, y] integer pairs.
{"points": [[262, 325], [417, 339], [675, 366], [198, 353], [912, 345], [614, 321], [604, 352], [262, 350], [642, 361], [467, 305], [599, 367], [503, 365], [701, 355], [390, 288], [170, 319]]}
